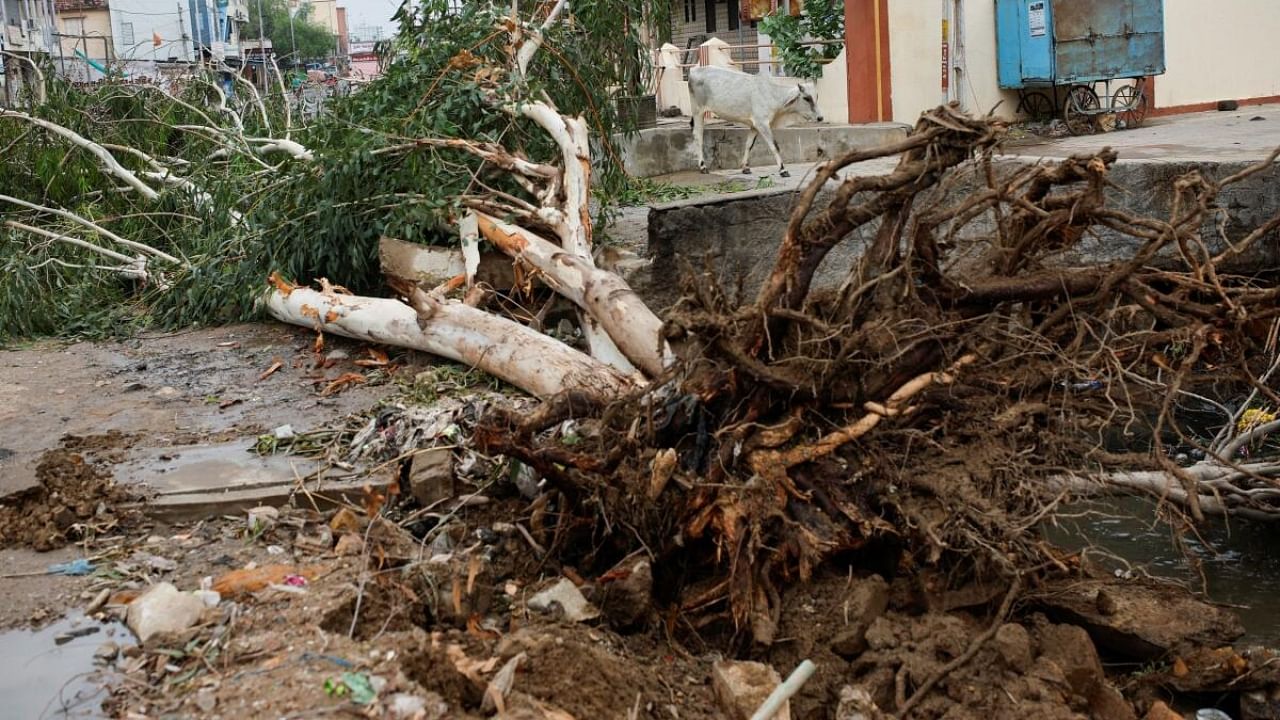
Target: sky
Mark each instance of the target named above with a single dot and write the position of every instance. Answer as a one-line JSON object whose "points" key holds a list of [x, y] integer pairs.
{"points": [[370, 12]]}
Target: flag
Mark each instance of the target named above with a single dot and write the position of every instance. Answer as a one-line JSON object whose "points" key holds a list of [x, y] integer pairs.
{"points": [[156, 40]]}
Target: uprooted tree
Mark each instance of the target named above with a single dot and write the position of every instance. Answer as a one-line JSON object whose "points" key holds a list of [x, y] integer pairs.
{"points": [[967, 373]]}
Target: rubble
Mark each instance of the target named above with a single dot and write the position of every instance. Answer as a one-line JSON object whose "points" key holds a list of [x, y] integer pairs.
{"points": [[564, 597], [742, 687], [163, 609]]}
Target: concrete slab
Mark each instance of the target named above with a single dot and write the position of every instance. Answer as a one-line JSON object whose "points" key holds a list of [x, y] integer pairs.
{"points": [[669, 148], [1235, 136], [215, 479]]}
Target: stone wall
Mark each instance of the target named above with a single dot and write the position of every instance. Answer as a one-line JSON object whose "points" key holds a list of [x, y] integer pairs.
{"points": [[742, 233]]}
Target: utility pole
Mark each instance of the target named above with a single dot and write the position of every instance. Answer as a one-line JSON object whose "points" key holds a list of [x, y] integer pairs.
{"points": [[262, 46], [293, 40], [182, 33]]}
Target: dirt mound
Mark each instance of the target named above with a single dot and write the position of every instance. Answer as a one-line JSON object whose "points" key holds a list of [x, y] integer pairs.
{"points": [[75, 498]]}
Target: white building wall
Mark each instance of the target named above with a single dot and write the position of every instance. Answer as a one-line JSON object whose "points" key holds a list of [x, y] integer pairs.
{"points": [[1222, 50], [915, 59], [135, 23]]}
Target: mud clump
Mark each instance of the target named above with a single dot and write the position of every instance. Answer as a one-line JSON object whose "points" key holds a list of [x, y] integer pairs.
{"points": [[75, 497]]}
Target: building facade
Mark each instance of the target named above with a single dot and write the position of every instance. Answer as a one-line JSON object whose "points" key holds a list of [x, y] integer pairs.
{"points": [[897, 68], [28, 35]]}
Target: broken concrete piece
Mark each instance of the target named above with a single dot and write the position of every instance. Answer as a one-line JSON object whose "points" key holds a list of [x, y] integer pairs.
{"points": [[565, 595], [163, 609], [262, 518], [1137, 620], [866, 602], [284, 432], [742, 687], [856, 704], [431, 476], [1071, 649], [625, 593], [106, 652], [404, 706]]}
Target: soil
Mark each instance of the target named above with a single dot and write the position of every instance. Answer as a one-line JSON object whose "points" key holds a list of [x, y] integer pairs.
{"points": [[76, 498], [428, 610]]}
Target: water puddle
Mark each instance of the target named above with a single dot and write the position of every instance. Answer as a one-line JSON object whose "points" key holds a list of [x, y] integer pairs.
{"points": [[50, 673], [209, 468], [1235, 563]]}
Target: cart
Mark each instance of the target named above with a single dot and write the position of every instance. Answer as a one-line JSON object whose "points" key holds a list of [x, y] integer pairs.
{"points": [[1057, 53]]}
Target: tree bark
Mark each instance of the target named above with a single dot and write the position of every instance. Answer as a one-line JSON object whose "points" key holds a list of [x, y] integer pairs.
{"points": [[529, 360], [623, 315]]}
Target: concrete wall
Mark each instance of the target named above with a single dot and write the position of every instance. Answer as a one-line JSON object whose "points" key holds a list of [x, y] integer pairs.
{"points": [[915, 49], [94, 22], [1222, 50], [743, 232], [134, 23], [1214, 51]]}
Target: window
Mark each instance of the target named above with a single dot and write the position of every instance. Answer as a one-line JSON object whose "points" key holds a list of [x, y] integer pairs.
{"points": [[126, 33], [690, 11], [711, 15]]}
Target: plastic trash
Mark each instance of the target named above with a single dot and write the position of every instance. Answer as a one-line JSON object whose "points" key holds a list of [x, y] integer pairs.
{"points": [[75, 567], [1211, 714]]}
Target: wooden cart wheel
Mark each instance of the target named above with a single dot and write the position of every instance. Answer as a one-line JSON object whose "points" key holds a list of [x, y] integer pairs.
{"points": [[1130, 103], [1080, 109], [1037, 106]]}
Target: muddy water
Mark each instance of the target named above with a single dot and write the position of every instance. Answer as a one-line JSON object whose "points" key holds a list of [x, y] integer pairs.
{"points": [[1236, 563], [48, 674]]}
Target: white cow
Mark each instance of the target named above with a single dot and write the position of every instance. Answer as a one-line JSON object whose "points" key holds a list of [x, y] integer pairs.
{"points": [[759, 102]]}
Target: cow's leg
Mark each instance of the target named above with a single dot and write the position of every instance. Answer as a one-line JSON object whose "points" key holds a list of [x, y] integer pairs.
{"points": [[767, 132], [751, 143], [699, 121]]}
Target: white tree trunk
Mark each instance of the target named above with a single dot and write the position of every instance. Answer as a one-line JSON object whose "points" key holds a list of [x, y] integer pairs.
{"points": [[621, 313], [527, 359]]}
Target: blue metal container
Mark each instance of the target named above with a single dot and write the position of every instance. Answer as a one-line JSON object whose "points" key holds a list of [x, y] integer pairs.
{"points": [[1060, 42], [1077, 43]]}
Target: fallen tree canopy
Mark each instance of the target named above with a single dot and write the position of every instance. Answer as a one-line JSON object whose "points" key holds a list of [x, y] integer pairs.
{"points": [[926, 413]]}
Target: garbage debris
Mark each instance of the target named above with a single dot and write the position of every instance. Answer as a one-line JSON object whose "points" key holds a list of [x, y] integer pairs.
{"points": [[357, 687], [741, 687], [250, 580], [74, 568], [566, 596], [262, 519], [163, 609]]}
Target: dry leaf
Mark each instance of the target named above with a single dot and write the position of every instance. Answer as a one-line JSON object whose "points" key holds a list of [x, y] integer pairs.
{"points": [[342, 382], [276, 364]]}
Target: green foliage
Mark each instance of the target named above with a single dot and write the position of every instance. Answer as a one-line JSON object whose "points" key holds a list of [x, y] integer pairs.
{"points": [[445, 77], [822, 20], [313, 42]]}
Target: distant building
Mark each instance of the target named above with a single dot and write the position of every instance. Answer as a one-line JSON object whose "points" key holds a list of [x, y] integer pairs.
{"points": [[133, 36], [28, 32]]}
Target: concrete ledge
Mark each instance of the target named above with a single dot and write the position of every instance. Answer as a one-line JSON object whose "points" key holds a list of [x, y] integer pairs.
{"points": [[742, 232], [669, 149]]}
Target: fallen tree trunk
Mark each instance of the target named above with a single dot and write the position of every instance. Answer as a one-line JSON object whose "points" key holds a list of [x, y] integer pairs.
{"points": [[621, 313], [529, 360]]}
